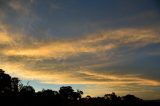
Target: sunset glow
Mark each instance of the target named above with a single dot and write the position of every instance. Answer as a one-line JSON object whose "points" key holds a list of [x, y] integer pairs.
{"points": [[99, 46]]}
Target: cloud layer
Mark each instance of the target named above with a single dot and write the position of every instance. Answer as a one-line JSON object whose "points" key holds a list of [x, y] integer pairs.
{"points": [[96, 50], [84, 60]]}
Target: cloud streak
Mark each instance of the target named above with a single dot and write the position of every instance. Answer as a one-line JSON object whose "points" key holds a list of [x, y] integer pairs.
{"points": [[60, 52]]}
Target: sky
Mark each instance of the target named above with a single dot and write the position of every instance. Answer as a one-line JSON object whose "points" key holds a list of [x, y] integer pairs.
{"points": [[97, 46]]}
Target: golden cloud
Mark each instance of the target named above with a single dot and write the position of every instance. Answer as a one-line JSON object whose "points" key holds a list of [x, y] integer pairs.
{"points": [[56, 50], [61, 77], [4, 38], [91, 44], [125, 35]]}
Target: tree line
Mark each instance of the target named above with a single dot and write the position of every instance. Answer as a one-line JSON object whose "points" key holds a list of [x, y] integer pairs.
{"points": [[14, 93]]}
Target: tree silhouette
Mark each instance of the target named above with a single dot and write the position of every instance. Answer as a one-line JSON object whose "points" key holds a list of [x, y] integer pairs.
{"points": [[5, 82], [15, 84], [111, 96], [66, 92], [131, 99], [27, 89], [88, 97], [14, 93], [77, 95], [48, 92]]}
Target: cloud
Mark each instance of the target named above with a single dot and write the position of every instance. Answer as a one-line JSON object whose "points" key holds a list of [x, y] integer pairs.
{"points": [[16, 5], [90, 44], [83, 60], [5, 38], [123, 59], [56, 50], [18, 15], [127, 36], [75, 76]]}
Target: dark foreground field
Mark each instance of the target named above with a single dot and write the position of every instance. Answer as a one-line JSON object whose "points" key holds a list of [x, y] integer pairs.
{"points": [[46, 100]]}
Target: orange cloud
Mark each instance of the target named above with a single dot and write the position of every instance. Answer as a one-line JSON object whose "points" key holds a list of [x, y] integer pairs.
{"points": [[65, 49], [89, 44], [4, 38], [56, 50], [61, 77]]}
